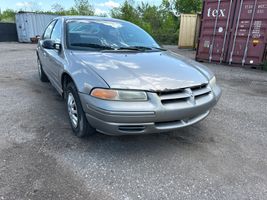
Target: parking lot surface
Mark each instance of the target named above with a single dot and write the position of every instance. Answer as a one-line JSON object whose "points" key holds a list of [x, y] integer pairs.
{"points": [[222, 157]]}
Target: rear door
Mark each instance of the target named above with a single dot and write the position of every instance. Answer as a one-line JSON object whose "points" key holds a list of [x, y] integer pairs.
{"points": [[53, 60], [56, 57], [43, 53]]}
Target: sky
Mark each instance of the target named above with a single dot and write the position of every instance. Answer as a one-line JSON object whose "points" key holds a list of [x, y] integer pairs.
{"points": [[101, 6]]}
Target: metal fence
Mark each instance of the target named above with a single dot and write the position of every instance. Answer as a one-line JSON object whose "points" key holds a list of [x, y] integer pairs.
{"points": [[8, 32]]}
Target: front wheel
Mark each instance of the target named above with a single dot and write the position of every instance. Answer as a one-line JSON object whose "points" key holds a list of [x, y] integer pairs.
{"points": [[78, 121]]}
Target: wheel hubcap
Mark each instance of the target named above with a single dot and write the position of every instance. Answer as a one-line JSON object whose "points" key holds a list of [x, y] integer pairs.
{"points": [[72, 110]]}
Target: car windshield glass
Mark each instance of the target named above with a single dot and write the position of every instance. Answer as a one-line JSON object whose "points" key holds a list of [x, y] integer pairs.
{"points": [[108, 35]]}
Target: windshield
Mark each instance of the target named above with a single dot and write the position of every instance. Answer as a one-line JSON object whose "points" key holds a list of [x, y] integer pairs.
{"points": [[108, 35]]}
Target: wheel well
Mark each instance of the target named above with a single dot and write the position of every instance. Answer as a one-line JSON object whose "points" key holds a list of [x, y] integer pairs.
{"points": [[65, 80]]}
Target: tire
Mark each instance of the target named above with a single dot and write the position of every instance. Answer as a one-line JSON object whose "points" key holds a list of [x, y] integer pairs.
{"points": [[42, 75], [78, 121]]}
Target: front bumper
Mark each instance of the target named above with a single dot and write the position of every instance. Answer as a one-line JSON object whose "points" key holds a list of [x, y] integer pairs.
{"points": [[127, 118]]}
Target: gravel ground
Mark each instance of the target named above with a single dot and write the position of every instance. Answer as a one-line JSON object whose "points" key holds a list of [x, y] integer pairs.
{"points": [[222, 157]]}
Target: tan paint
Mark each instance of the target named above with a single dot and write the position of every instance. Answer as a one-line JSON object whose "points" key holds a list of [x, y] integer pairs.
{"points": [[189, 29]]}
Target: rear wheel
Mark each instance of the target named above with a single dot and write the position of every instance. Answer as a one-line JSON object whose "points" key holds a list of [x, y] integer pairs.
{"points": [[78, 121], [41, 72]]}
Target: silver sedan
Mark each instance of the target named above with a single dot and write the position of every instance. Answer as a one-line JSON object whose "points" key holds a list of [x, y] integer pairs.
{"points": [[117, 80]]}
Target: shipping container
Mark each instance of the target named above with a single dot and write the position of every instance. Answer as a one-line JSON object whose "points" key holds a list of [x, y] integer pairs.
{"points": [[197, 29], [31, 24], [8, 32], [189, 29], [249, 39], [233, 31], [215, 29]]}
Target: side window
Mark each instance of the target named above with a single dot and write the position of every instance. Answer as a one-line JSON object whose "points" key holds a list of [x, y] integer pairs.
{"points": [[56, 33], [48, 30]]}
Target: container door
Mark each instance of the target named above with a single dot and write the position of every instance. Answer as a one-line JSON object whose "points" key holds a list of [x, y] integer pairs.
{"points": [[21, 27], [187, 31], [216, 24], [27, 27], [248, 40], [31, 25]]}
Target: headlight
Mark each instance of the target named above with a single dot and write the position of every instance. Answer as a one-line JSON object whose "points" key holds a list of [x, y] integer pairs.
{"points": [[119, 95], [213, 82]]}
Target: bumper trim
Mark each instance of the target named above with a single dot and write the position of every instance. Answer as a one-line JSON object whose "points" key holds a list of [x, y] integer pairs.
{"points": [[112, 128], [120, 113], [180, 123]]}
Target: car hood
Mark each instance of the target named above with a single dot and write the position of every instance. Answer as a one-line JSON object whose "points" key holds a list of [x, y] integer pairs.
{"points": [[152, 71]]}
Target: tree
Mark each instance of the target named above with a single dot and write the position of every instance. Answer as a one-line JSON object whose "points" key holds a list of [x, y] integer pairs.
{"points": [[83, 7], [72, 11], [8, 15], [151, 17], [160, 23], [127, 12], [182, 6], [57, 8]]}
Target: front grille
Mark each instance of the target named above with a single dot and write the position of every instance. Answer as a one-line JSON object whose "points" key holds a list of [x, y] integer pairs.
{"points": [[184, 95]]}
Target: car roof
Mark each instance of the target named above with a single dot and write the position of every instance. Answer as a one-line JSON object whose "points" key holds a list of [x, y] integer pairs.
{"points": [[89, 18]]}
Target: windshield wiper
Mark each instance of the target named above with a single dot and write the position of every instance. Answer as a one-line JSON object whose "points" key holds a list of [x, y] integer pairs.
{"points": [[92, 45], [141, 48], [133, 48], [159, 48], [129, 48]]}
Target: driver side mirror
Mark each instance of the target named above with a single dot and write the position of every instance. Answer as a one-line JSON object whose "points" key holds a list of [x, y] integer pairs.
{"points": [[51, 44]]}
